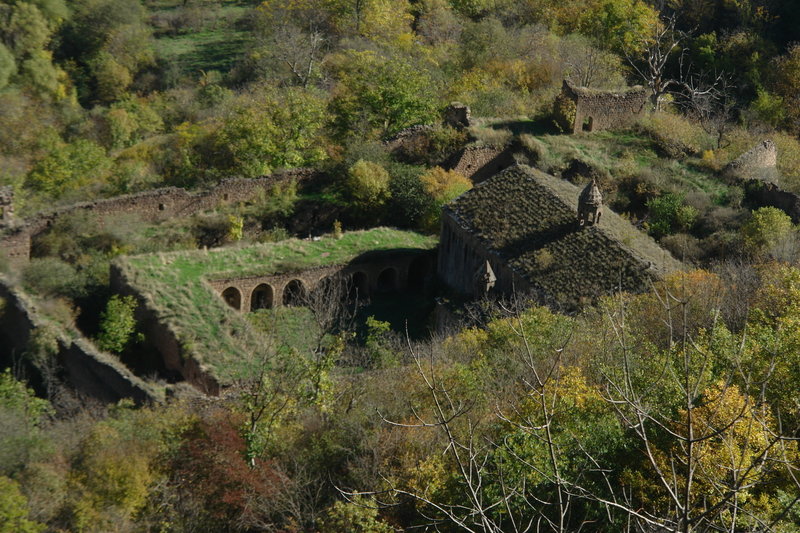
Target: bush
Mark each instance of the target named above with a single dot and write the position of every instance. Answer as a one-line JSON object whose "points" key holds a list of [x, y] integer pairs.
{"points": [[49, 276], [14, 509], [368, 183], [564, 111], [117, 324], [442, 186], [767, 229], [669, 213]]}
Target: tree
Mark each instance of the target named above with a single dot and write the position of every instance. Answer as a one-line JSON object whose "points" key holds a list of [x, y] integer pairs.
{"points": [[379, 96], [117, 324], [68, 167], [368, 183], [7, 66], [766, 230], [650, 58], [14, 509], [669, 213]]}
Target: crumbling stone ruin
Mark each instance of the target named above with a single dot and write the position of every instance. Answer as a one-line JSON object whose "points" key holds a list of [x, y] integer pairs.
{"points": [[759, 163], [150, 206], [521, 215], [757, 171], [590, 202], [581, 109], [6, 205], [457, 115]]}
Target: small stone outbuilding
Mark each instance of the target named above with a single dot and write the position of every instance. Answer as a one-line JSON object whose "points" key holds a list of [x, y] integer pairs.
{"points": [[584, 109]]}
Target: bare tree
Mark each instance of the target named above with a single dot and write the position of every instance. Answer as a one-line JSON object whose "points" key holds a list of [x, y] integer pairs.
{"points": [[651, 64], [712, 103]]}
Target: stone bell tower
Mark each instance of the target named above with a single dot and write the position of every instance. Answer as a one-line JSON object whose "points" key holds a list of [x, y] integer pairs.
{"points": [[590, 203]]}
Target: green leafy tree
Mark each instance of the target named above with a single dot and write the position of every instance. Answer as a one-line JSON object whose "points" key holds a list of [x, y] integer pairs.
{"points": [[21, 418], [278, 129], [68, 167], [379, 95], [356, 516], [669, 214], [7, 65], [117, 324], [14, 509], [368, 183], [767, 228]]}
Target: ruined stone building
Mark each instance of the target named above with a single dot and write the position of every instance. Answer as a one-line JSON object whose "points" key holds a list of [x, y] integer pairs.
{"points": [[759, 163], [520, 231], [596, 110]]}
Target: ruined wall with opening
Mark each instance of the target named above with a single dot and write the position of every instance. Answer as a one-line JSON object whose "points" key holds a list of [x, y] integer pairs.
{"points": [[602, 110], [369, 274], [150, 206]]}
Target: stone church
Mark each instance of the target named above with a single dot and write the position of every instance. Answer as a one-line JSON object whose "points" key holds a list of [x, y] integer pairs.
{"points": [[523, 230]]}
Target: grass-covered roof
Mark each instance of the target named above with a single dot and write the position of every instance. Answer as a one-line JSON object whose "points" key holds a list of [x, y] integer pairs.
{"points": [[212, 333]]}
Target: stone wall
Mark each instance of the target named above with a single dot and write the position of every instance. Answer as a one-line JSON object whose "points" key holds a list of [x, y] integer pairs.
{"points": [[602, 110], [159, 333], [85, 368], [461, 254], [372, 273], [149, 206], [368, 273], [457, 115], [765, 194], [760, 163], [479, 163]]}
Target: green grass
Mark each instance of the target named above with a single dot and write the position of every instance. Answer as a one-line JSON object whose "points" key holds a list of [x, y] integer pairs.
{"points": [[212, 333], [218, 44]]}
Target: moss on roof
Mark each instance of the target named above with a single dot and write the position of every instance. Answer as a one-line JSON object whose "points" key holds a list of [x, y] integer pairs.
{"points": [[529, 219]]}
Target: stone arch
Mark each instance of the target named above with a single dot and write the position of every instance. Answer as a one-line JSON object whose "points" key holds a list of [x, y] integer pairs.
{"points": [[233, 297], [294, 292], [387, 280], [358, 285], [418, 271], [588, 124], [262, 297]]}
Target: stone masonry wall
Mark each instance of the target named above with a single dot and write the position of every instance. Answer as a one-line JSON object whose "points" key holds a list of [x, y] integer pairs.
{"points": [[150, 206], [460, 256], [760, 162], [88, 370], [602, 110], [479, 163]]}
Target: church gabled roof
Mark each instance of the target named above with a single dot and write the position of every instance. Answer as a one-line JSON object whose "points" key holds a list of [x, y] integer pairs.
{"points": [[521, 211]]}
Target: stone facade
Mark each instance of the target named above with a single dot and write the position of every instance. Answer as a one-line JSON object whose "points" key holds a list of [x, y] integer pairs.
{"points": [[150, 206], [760, 163], [603, 110], [524, 223]]}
